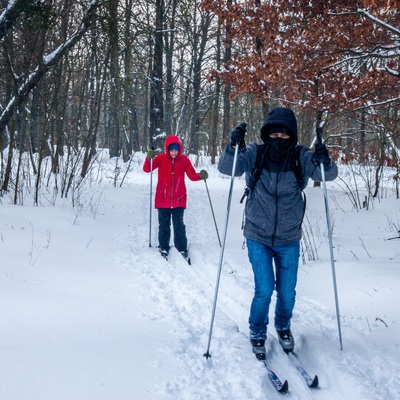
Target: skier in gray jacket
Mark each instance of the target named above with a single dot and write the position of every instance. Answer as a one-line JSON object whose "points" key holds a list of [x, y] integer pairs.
{"points": [[274, 213]]}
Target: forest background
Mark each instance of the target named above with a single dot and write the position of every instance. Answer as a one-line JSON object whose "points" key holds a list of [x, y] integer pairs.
{"points": [[79, 77]]}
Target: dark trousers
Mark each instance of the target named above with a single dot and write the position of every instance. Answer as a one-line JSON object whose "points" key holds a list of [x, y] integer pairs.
{"points": [[164, 228]]}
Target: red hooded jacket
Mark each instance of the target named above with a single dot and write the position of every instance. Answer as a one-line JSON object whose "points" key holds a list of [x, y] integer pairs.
{"points": [[171, 188]]}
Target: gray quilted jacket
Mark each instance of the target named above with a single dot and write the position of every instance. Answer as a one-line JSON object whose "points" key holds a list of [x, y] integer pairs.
{"points": [[274, 211]]}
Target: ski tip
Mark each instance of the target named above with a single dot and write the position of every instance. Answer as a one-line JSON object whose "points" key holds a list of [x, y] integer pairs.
{"points": [[284, 388], [314, 383]]}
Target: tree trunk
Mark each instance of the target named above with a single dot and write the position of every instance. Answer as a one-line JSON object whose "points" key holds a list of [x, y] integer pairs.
{"points": [[169, 62], [226, 122], [362, 137], [215, 111], [115, 87], [199, 46], [156, 89]]}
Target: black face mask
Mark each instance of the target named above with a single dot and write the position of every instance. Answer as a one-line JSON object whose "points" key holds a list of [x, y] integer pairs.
{"points": [[279, 148]]}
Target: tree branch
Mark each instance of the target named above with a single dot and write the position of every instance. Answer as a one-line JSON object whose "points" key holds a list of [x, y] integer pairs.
{"points": [[48, 61], [10, 15]]}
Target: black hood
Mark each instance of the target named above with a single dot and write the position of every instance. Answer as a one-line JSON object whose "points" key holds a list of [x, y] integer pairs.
{"points": [[282, 116]]}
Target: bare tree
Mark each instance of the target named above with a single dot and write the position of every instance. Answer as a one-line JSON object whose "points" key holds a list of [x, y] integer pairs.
{"points": [[44, 65], [226, 122], [169, 40], [156, 89], [10, 14]]}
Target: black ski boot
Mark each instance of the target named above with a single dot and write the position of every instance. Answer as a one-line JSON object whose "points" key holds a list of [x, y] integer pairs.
{"points": [[164, 253], [286, 340], [259, 348], [185, 255]]}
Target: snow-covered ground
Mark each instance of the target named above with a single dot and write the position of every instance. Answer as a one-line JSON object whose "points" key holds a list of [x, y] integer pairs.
{"points": [[89, 311]]}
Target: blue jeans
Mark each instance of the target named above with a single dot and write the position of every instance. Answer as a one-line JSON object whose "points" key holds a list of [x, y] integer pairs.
{"points": [[286, 260]]}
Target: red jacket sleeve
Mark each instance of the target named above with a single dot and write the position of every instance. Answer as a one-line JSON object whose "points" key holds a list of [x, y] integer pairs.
{"points": [[147, 165], [190, 171]]}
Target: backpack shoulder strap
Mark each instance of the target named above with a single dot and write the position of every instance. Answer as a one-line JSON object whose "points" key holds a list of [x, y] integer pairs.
{"points": [[298, 171], [297, 167], [256, 171], [258, 165]]}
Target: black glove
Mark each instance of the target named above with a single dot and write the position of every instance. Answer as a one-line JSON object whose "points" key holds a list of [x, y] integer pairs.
{"points": [[203, 174], [237, 136], [322, 155]]}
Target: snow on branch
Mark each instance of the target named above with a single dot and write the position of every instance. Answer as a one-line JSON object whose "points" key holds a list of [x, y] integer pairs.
{"points": [[48, 61], [9, 16], [378, 21]]}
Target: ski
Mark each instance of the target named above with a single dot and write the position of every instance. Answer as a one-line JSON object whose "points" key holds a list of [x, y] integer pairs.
{"points": [[279, 386], [186, 255], [311, 382], [187, 259]]}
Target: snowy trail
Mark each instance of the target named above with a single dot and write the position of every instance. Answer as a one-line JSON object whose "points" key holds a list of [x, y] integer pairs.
{"points": [[176, 289]]}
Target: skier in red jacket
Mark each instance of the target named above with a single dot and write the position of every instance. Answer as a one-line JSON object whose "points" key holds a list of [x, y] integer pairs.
{"points": [[170, 198]]}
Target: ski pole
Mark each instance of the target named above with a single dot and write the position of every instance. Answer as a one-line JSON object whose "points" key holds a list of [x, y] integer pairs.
{"points": [[319, 140], [212, 211], [151, 195], [207, 353]]}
